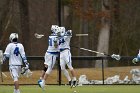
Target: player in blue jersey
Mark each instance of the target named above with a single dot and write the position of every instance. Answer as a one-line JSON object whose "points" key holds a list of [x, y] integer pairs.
{"points": [[65, 55], [50, 56], [16, 55]]}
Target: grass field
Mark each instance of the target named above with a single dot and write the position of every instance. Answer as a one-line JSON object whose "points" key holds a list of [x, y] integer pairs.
{"points": [[80, 89]]}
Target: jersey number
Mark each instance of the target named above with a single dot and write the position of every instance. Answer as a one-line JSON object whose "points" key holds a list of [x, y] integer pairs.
{"points": [[16, 51], [61, 41], [50, 41]]}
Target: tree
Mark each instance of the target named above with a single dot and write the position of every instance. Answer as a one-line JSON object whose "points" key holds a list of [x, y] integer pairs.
{"points": [[24, 20], [104, 34]]}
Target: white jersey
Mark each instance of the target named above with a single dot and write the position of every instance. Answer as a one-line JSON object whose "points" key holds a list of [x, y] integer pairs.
{"points": [[53, 44], [65, 42], [14, 51]]}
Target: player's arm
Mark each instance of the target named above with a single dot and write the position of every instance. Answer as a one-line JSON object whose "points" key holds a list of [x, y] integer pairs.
{"points": [[23, 56], [68, 34], [6, 54]]}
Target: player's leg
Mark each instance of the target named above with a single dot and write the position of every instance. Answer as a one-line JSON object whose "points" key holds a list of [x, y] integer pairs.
{"points": [[44, 78], [43, 71], [14, 71], [69, 64], [74, 80], [49, 62], [65, 72]]}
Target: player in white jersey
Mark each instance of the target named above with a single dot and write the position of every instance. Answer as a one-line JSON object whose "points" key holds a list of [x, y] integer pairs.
{"points": [[16, 55], [136, 59], [50, 56], [65, 55]]}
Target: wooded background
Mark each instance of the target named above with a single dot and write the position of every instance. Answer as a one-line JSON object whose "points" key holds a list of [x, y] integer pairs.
{"points": [[113, 25]]}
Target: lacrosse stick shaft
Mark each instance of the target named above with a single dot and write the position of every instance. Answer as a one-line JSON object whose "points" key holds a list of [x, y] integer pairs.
{"points": [[42, 35], [90, 50], [1, 74], [1, 59], [114, 56], [4, 74], [81, 34]]}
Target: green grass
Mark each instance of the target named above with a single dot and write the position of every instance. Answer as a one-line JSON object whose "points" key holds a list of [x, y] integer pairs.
{"points": [[80, 89]]}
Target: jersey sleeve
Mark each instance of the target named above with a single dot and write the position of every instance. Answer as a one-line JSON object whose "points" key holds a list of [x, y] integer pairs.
{"points": [[22, 53], [6, 53], [7, 50]]}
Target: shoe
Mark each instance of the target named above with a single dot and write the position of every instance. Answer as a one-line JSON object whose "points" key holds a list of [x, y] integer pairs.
{"points": [[74, 84], [41, 83], [70, 83]]}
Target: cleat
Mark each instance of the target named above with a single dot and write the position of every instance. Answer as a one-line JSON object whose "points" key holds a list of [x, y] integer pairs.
{"points": [[70, 83], [41, 83], [74, 84]]}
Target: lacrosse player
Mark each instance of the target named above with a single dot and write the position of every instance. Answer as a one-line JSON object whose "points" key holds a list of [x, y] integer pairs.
{"points": [[136, 59], [65, 55], [50, 56], [16, 55]]}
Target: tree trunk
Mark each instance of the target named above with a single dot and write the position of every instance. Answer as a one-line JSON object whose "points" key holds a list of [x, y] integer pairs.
{"points": [[6, 7], [103, 40], [24, 19]]}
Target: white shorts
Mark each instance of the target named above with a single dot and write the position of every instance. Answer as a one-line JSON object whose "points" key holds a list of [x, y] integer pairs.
{"points": [[15, 72], [50, 59], [65, 59]]}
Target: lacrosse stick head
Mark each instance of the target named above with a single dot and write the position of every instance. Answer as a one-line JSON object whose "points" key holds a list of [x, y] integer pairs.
{"points": [[117, 57], [26, 72], [38, 35], [1, 57]]}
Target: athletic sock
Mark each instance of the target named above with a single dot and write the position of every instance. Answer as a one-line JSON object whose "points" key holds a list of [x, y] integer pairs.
{"points": [[74, 79], [18, 91], [15, 91]]}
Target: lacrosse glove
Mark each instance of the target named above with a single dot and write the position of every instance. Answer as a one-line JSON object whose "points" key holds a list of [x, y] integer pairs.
{"points": [[26, 65], [135, 60]]}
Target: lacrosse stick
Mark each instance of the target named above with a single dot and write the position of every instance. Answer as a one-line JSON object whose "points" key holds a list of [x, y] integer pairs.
{"points": [[24, 71], [1, 62], [114, 56], [39, 36]]}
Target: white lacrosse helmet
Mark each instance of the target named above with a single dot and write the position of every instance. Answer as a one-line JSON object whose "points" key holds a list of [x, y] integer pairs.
{"points": [[54, 28], [13, 36], [61, 31]]}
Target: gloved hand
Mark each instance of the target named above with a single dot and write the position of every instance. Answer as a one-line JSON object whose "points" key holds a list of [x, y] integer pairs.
{"points": [[69, 32], [26, 65], [135, 60]]}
